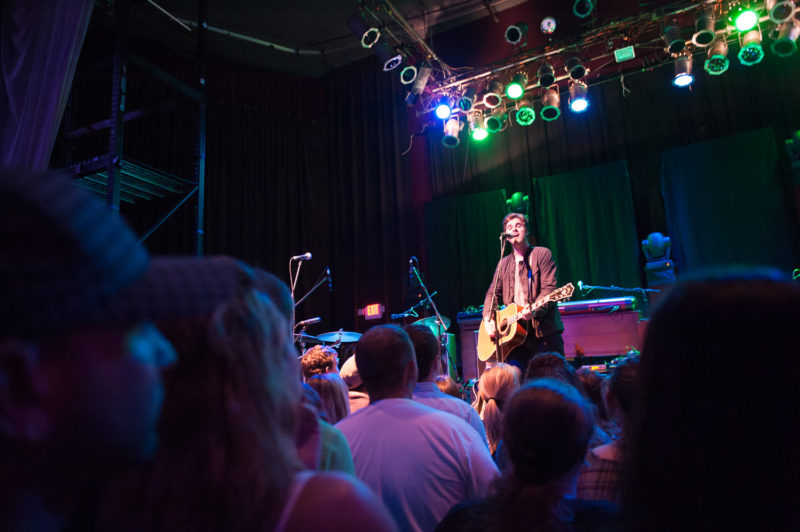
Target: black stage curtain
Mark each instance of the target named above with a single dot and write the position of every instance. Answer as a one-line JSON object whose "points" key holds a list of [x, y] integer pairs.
{"points": [[726, 203], [462, 252]]}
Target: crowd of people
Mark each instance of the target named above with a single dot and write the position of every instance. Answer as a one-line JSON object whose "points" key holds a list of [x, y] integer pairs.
{"points": [[144, 393]]}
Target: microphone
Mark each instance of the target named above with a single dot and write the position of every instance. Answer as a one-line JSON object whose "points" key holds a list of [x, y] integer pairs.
{"points": [[306, 323], [506, 235], [304, 256], [330, 279], [580, 286]]}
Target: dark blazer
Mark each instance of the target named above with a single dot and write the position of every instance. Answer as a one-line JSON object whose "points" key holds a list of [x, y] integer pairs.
{"points": [[542, 281]]}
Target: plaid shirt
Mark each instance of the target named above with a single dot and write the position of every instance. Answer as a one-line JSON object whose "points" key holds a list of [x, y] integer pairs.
{"points": [[600, 479]]}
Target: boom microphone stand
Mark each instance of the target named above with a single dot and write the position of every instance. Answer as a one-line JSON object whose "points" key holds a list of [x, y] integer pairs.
{"points": [[440, 326]]}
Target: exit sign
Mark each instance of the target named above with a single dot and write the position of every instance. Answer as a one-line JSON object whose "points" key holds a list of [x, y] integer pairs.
{"points": [[373, 311]]}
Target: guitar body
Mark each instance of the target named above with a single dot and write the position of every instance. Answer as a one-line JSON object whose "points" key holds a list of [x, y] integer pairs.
{"points": [[512, 334]]}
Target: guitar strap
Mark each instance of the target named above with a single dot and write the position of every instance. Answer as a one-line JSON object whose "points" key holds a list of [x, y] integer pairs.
{"points": [[529, 275]]}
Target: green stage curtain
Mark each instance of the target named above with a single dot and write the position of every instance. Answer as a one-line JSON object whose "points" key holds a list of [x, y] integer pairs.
{"points": [[586, 218]]}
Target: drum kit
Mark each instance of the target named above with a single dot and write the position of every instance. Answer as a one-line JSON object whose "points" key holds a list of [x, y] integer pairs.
{"points": [[336, 338]]}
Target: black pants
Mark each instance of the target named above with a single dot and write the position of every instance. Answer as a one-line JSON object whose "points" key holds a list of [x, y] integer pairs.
{"points": [[521, 355]]}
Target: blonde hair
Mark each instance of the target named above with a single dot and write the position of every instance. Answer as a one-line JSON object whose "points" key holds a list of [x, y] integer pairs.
{"points": [[495, 387], [334, 396]]}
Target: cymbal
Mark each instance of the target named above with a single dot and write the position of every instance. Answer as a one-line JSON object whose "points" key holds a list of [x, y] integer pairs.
{"points": [[339, 336], [432, 323], [303, 338]]}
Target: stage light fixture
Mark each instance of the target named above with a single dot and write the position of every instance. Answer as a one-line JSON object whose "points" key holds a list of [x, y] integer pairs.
{"points": [[551, 100], [494, 94], [717, 61], [516, 88], [496, 121], [548, 25], [672, 37], [443, 108], [683, 70], [743, 17], [467, 99], [408, 75], [423, 74], [583, 8], [785, 44], [476, 129], [575, 68], [780, 10], [389, 56], [525, 114], [578, 102], [368, 35], [546, 75], [515, 34], [451, 129], [704, 33], [751, 51]]}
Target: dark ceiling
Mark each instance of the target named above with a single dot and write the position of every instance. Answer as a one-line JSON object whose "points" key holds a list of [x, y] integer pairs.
{"points": [[318, 32]]}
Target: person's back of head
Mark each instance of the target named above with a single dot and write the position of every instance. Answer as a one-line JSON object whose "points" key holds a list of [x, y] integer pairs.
{"points": [[318, 360], [553, 366], [713, 444], [386, 362], [594, 385], [333, 394], [228, 424], [495, 387], [426, 348], [448, 385], [623, 385], [547, 428]]}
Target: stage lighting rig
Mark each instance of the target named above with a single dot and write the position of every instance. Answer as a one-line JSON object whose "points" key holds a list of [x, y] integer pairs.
{"points": [[551, 101], [515, 34], [683, 70], [751, 51]]}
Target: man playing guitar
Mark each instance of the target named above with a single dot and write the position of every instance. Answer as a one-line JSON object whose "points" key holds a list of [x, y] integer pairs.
{"points": [[522, 277]]}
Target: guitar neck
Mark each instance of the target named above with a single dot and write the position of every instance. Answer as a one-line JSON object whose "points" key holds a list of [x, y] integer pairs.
{"points": [[538, 304]]}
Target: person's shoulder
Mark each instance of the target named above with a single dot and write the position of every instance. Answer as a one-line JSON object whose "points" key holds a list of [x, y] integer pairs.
{"points": [[339, 502]]}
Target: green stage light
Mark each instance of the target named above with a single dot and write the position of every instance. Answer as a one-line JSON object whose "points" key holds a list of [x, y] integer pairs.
{"points": [[717, 62], [551, 100], [525, 114], [476, 129], [751, 51], [743, 17], [516, 88]]}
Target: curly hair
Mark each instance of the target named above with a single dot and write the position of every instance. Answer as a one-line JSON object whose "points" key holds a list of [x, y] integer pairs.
{"points": [[318, 360]]}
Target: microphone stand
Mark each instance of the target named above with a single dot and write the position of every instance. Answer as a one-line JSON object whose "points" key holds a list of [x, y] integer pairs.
{"points": [[319, 283], [442, 336], [411, 312], [493, 311]]}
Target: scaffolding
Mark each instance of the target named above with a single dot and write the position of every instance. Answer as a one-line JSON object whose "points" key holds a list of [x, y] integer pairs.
{"points": [[120, 178]]}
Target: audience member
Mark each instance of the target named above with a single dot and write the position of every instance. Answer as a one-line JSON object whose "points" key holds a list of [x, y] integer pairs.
{"points": [[553, 365], [427, 350], [601, 476], [593, 385], [547, 429], [495, 387], [356, 392], [449, 386], [419, 460], [334, 452], [333, 395], [227, 459], [713, 442], [318, 360], [80, 360]]}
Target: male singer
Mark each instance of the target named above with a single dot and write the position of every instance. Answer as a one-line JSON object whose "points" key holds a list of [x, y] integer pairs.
{"points": [[522, 277]]}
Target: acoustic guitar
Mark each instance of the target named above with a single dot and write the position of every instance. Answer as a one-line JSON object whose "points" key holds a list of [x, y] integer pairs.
{"points": [[512, 333]]}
